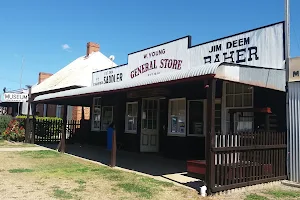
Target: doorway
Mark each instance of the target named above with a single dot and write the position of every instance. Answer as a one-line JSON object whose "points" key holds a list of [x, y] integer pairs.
{"points": [[150, 125]]}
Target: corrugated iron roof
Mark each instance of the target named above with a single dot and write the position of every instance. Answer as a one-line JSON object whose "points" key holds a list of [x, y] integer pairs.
{"points": [[269, 78], [77, 73]]}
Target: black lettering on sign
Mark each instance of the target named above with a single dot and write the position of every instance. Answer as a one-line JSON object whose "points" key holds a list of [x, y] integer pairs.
{"points": [[295, 73], [113, 78], [228, 58], [215, 48], [239, 55], [207, 59], [238, 43], [252, 52], [217, 58]]}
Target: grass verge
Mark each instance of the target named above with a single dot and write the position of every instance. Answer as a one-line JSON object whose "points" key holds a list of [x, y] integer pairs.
{"points": [[62, 194], [20, 170], [283, 194], [255, 197], [85, 176]]}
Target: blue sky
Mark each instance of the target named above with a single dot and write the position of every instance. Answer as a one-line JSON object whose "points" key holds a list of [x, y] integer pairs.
{"points": [[37, 29]]}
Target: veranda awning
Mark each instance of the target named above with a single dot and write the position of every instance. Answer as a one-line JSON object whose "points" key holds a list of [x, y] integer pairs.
{"points": [[262, 77]]}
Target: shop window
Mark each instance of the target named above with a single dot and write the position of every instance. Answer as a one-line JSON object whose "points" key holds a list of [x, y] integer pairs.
{"points": [[96, 114], [177, 117], [107, 117], [196, 117], [131, 117], [239, 96], [218, 116], [58, 111]]}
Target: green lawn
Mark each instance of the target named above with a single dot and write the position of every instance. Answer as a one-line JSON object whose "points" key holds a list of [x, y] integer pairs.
{"points": [[277, 193], [61, 176]]}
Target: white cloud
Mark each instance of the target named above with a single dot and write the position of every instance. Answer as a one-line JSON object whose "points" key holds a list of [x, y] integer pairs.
{"points": [[66, 47]]}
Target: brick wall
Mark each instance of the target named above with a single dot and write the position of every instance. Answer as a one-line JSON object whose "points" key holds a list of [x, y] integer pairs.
{"points": [[43, 76], [92, 47], [77, 112]]}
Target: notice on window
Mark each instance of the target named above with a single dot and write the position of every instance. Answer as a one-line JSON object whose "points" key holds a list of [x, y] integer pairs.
{"points": [[198, 128], [174, 122], [181, 127]]}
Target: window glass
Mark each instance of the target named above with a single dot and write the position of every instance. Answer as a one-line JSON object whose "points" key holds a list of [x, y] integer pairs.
{"points": [[131, 117], [96, 114], [177, 116], [218, 119], [58, 111], [107, 117], [239, 96], [196, 119]]}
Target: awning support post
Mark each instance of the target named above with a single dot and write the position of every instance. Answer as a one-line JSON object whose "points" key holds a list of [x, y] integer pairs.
{"points": [[33, 110], [27, 130], [82, 113], [62, 143], [210, 136], [113, 150]]}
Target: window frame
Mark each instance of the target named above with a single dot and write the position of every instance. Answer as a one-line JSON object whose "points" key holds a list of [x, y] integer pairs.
{"points": [[236, 94], [169, 115], [224, 104], [102, 115], [204, 101], [93, 115], [126, 117]]}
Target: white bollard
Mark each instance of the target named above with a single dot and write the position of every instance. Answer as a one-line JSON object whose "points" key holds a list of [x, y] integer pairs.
{"points": [[203, 191]]}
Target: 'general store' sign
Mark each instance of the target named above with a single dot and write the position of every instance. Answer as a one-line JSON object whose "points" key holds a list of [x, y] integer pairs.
{"points": [[155, 64]]}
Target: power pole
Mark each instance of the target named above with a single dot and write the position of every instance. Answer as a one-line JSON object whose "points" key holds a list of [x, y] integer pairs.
{"points": [[21, 74], [287, 70]]}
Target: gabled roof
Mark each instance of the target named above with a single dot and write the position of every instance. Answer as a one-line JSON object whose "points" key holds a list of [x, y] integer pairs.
{"points": [[78, 73]]}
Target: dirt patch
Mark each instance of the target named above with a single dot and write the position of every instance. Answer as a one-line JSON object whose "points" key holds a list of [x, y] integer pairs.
{"points": [[8, 144]]}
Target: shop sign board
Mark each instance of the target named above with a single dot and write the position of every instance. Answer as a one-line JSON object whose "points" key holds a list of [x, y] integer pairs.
{"points": [[294, 72], [261, 47], [15, 97]]}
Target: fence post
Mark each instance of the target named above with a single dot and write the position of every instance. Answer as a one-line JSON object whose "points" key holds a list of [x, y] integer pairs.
{"points": [[210, 136]]}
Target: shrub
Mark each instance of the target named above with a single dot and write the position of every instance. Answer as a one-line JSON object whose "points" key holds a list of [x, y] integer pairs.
{"points": [[4, 121], [39, 118], [14, 131]]}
